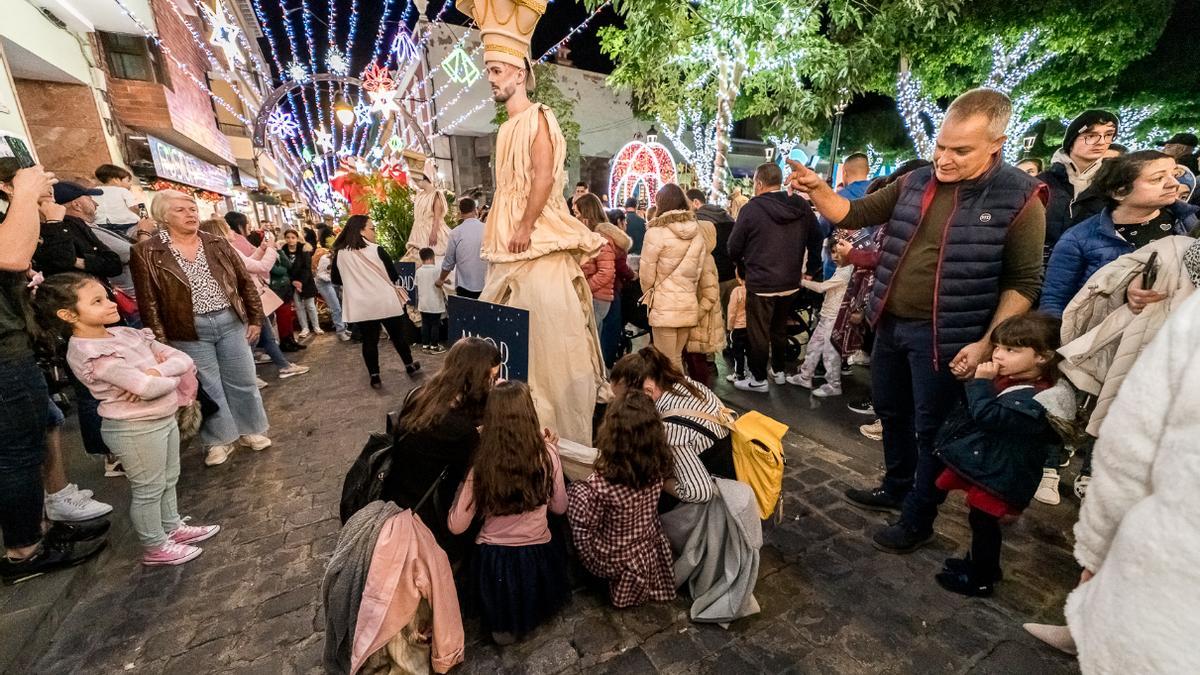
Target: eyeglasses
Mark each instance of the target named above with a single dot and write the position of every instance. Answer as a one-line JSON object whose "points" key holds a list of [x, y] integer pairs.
{"points": [[1094, 138]]}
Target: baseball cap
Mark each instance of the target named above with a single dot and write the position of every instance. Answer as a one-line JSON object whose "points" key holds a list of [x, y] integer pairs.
{"points": [[65, 191], [1184, 138]]}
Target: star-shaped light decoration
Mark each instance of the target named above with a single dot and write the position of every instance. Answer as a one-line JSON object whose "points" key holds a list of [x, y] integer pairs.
{"points": [[362, 112], [224, 34], [297, 71], [336, 62], [324, 140], [383, 101], [460, 68], [281, 124]]}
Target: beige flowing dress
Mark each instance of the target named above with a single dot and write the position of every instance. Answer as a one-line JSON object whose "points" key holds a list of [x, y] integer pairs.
{"points": [[418, 238], [566, 371]]}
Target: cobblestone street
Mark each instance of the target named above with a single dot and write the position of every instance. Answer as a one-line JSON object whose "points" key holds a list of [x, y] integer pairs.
{"points": [[830, 602]]}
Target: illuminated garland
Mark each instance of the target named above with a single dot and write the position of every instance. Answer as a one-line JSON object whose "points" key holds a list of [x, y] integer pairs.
{"points": [[640, 164]]}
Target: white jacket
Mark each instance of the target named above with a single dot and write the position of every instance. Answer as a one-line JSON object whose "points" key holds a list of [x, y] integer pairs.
{"points": [[1139, 528]]}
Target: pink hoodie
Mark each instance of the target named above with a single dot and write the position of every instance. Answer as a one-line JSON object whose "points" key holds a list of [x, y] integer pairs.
{"points": [[111, 366]]}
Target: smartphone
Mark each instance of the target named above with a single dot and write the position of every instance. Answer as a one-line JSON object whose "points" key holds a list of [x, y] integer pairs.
{"points": [[1150, 271], [20, 151]]}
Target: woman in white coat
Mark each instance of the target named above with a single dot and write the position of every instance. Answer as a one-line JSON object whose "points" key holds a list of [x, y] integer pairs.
{"points": [[370, 297], [673, 253]]}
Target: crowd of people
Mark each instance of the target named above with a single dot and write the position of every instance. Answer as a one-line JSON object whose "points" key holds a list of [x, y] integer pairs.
{"points": [[1011, 316]]}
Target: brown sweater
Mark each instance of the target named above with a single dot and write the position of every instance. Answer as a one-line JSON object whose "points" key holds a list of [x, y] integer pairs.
{"points": [[911, 295]]}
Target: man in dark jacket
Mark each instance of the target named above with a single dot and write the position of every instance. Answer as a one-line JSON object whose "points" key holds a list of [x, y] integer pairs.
{"points": [[635, 226], [720, 219], [1074, 166], [70, 245], [962, 253], [776, 238]]}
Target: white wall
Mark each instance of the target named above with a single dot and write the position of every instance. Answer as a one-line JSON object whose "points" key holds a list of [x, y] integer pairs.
{"points": [[11, 121]]}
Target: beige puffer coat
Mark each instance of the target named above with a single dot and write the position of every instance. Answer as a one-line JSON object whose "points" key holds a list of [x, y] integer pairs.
{"points": [[708, 336], [673, 253]]}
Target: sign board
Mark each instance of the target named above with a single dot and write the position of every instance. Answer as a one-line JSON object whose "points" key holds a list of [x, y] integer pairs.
{"points": [[505, 327], [407, 271], [174, 164]]}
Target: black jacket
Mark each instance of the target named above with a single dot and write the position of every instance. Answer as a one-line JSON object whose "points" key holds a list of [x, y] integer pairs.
{"points": [[778, 240], [64, 242], [1065, 208], [720, 219], [300, 269]]}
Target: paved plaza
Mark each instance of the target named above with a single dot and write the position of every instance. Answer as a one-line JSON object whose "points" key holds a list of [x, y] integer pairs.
{"points": [[830, 602]]}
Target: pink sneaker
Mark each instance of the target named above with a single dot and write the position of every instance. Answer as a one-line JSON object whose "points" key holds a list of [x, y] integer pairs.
{"points": [[170, 553], [190, 534]]}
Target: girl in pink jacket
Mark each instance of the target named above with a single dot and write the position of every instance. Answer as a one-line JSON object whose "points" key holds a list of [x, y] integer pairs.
{"points": [[601, 271], [140, 384]]}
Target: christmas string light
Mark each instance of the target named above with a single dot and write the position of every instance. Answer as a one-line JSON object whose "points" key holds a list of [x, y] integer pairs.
{"points": [[554, 50]]}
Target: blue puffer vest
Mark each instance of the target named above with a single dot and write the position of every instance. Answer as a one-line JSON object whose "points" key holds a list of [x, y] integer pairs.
{"points": [[967, 288]]}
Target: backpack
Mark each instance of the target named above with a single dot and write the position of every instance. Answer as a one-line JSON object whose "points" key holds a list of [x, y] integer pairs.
{"points": [[364, 481], [757, 453]]}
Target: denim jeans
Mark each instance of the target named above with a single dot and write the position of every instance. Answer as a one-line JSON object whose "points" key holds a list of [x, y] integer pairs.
{"points": [[329, 293], [269, 344], [149, 451], [912, 397], [225, 367], [306, 312], [611, 331], [24, 413]]}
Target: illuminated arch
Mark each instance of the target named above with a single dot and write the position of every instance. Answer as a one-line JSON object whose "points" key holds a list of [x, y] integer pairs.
{"points": [[639, 163]]}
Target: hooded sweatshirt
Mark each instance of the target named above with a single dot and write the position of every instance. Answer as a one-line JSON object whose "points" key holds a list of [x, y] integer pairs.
{"points": [[724, 226], [778, 240], [1070, 200]]}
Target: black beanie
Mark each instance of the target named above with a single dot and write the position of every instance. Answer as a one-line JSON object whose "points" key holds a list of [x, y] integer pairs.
{"points": [[1086, 119]]}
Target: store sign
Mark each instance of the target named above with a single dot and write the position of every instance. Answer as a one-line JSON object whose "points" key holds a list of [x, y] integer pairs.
{"points": [[171, 163], [246, 180], [507, 328]]}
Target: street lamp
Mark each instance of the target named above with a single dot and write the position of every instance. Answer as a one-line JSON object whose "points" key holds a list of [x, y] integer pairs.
{"points": [[837, 137], [769, 153], [344, 111], [652, 135]]}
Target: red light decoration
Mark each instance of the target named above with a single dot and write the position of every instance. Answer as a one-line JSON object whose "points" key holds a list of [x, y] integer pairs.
{"points": [[649, 165]]}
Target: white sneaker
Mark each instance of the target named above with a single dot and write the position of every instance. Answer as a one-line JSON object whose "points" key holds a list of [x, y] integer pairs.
{"points": [[1067, 455], [800, 381], [75, 488], [873, 431], [262, 358], [255, 441], [732, 377], [1058, 637], [303, 334], [344, 336], [859, 358], [1081, 486], [751, 384], [73, 506], [292, 370], [261, 383], [781, 378], [1047, 492], [826, 390], [318, 331], [218, 454]]}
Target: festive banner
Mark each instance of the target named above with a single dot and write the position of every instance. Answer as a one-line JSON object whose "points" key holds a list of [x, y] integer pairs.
{"points": [[505, 327]]}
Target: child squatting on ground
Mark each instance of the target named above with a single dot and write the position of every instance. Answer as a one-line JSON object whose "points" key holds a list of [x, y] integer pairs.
{"points": [[141, 385]]}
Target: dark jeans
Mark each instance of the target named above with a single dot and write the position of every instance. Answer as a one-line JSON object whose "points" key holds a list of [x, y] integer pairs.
{"points": [[766, 326], [431, 328], [24, 413], [89, 420], [740, 341], [462, 292], [611, 329], [370, 344], [912, 397], [986, 539]]}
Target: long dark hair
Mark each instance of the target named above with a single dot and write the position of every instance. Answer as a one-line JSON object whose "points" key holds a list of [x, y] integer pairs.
{"points": [[670, 197], [647, 363], [462, 384], [1117, 175], [513, 472], [590, 211], [351, 236], [60, 291], [632, 443]]}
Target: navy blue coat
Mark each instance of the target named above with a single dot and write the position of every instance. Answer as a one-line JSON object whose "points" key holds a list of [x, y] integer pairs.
{"points": [[1090, 245]]}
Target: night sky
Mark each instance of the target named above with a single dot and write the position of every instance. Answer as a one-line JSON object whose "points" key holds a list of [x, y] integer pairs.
{"points": [[560, 18]]}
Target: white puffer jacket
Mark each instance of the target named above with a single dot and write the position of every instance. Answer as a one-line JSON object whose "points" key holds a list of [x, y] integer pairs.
{"points": [[673, 253]]}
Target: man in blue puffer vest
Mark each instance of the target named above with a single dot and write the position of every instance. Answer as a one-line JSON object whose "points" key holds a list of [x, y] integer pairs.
{"points": [[962, 252]]}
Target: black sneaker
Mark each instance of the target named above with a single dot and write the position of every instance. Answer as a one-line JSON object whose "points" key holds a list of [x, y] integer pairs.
{"points": [[965, 584], [899, 539], [963, 566], [376, 383], [862, 407], [877, 499], [412, 368], [50, 556], [74, 532]]}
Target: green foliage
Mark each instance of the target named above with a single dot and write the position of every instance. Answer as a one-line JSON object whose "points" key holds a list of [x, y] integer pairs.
{"points": [[546, 92], [392, 214]]}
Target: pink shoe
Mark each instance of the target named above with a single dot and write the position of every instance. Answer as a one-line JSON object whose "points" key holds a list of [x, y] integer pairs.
{"points": [[190, 534], [170, 553]]}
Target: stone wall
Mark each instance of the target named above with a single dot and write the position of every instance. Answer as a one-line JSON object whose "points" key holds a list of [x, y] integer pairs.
{"points": [[65, 127]]}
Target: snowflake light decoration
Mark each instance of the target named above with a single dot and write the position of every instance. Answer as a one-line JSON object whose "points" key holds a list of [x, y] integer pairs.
{"points": [[376, 152], [281, 124], [383, 101], [376, 77], [297, 71], [324, 140], [460, 68], [336, 62]]}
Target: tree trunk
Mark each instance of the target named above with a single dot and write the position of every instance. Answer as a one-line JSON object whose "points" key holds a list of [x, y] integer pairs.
{"points": [[729, 77]]}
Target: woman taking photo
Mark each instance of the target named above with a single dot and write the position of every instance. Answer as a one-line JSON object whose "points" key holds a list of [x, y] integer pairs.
{"points": [[692, 414], [672, 259], [438, 434], [370, 296], [297, 255], [195, 294]]}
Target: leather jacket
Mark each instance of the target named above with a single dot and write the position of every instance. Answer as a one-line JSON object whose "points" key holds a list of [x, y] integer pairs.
{"points": [[165, 296]]}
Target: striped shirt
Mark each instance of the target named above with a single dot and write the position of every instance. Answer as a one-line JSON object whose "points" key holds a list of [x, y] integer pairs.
{"points": [[694, 483]]}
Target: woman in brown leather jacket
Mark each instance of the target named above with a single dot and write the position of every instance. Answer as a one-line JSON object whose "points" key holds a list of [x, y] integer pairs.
{"points": [[194, 292]]}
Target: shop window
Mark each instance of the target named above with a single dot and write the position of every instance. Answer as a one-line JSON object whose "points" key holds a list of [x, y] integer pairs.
{"points": [[133, 57]]}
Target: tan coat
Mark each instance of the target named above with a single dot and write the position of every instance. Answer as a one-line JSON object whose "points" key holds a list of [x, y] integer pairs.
{"points": [[672, 261], [1102, 337], [708, 336]]}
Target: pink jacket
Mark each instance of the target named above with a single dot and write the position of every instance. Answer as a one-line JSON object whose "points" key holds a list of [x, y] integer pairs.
{"points": [[258, 261], [408, 565], [114, 365]]}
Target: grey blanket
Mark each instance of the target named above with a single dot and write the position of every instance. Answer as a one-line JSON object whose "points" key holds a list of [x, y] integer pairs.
{"points": [[345, 577], [717, 544]]}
